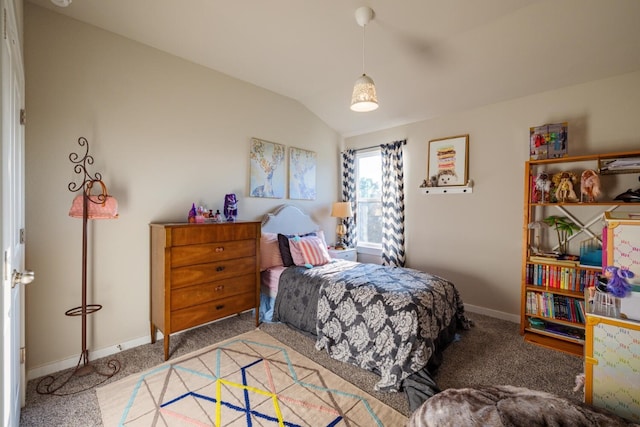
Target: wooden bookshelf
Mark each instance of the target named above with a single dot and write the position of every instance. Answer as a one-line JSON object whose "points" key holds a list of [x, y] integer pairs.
{"points": [[570, 287]]}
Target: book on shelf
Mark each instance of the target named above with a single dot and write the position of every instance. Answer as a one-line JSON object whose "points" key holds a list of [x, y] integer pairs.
{"points": [[579, 303], [567, 331], [554, 306], [560, 277], [568, 260], [619, 165]]}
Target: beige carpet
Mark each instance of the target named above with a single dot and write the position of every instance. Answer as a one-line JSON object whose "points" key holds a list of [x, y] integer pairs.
{"points": [[249, 380]]}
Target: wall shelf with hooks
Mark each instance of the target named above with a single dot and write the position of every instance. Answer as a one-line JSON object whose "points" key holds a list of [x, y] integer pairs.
{"points": [[457, 189]]}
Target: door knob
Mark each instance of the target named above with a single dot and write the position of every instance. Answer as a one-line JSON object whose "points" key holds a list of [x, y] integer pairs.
{"points": [[24, 277]]}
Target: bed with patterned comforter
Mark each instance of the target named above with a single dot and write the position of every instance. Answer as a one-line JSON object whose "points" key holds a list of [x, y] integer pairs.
{"points": [[388, 320]]}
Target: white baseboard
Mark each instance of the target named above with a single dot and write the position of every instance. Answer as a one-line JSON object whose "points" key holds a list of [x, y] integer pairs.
{"points": [[108, 351], [93, 355], [515, 318]]}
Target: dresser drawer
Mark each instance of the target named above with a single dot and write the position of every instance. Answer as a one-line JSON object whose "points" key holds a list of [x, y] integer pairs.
{"points": [[197, 294], [212, 310], [211, 252], [203, 273], [193, 234]]}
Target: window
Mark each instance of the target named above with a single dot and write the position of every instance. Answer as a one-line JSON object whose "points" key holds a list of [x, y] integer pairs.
{"points": [[369, 198]]}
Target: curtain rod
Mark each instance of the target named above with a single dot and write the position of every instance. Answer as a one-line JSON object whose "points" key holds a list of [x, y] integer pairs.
{"points": [[404, 142]]}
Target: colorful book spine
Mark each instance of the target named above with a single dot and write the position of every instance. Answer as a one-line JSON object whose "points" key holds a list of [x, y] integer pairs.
{"points": [[563, 277], [554, 306]]}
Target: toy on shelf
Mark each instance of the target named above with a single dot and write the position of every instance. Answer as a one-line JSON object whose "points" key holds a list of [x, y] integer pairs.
{"points": [[589, 186], [542, 187], [616, 281], [629, 196], [230, 207], [565, 227], [607, 294], [432, 182], [564, 182]]}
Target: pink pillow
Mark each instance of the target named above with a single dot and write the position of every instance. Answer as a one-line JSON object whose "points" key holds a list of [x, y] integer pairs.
{"points": [[320, 234], [269, 251], [309, 250]]}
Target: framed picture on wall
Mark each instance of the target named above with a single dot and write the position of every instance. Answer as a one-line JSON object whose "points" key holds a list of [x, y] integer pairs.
{"points": [[267, 169], [302, 174], [448, 160]]}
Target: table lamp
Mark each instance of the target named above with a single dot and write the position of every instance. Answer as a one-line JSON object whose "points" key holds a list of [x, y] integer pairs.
{"points": [[341, 210]]}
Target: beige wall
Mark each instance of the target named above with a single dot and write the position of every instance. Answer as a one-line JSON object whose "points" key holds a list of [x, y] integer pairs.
{"points": [[164, 133], [475, 239]]}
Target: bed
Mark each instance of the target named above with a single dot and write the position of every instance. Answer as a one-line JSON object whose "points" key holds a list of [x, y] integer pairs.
{"points": [[389, 320]]}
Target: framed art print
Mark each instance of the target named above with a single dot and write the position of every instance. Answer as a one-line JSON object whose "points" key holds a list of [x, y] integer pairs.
{"points": [[448, 160], [267, 169], [302, 174]]}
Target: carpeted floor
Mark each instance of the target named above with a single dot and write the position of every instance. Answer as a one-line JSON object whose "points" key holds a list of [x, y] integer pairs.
{"points": [[491, 353]]}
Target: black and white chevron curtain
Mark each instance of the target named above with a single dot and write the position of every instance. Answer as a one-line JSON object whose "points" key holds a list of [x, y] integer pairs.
{"points": [[393, 204], [349, 195]]}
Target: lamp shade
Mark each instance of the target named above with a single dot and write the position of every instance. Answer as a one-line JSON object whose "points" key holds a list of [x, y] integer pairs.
{"points": [[364, 96], [341, 210]]}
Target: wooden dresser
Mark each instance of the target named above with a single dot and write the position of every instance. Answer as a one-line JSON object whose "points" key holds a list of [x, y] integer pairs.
{"points": [[201, 273]]}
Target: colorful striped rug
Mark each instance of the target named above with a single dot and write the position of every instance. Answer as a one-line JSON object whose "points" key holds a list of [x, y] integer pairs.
{"points": [[249, 380]]}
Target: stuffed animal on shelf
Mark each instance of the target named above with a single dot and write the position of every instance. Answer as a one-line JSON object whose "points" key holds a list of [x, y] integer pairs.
{"points": [[589, 186], [542, 186], [564, 182], [432, 182]]}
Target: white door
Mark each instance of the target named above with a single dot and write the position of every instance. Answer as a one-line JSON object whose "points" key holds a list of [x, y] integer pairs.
{"points": [[12, 299]]}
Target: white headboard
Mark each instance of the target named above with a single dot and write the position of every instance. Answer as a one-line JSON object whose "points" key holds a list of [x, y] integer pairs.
{"points": [[288, 219]]}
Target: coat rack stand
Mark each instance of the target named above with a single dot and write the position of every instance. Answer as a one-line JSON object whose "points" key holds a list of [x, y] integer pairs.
{"points": [[57, 385]]}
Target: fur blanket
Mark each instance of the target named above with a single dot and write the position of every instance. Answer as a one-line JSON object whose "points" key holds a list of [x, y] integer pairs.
{"points": [[508, 406]]}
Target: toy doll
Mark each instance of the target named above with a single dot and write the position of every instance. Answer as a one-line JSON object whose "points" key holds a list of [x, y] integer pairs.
{"points": [[589, 186], [230, 207], [617, 284], [564, 186], [543, 186]]}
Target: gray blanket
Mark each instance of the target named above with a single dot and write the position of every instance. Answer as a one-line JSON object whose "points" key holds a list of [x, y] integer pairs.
{"points": [[384, 319], [508, 406]]}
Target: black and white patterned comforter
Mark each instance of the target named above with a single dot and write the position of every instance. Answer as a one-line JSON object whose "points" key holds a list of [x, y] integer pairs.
{"points": [[383, 319]]}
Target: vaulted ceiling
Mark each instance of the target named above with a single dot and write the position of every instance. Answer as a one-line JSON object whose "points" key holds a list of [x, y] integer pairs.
{"points": [[427, 57]]}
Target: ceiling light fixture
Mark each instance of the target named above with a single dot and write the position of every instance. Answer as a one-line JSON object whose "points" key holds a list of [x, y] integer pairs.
{"points": [[364, 96]]}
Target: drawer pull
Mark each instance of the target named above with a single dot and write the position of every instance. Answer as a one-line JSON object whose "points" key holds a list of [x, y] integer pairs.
{"points": [[220, 249], [219, 307], [221, 268], [219, 288]]}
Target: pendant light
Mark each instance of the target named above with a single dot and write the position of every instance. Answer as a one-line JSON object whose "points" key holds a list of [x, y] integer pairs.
{"points": [[364, 96]]}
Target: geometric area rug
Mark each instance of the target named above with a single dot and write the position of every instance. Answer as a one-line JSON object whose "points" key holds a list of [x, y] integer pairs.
{"points": [[249, 380]]}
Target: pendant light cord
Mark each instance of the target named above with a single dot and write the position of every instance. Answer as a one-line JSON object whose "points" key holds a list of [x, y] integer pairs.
{"points": [[363, 30]]}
